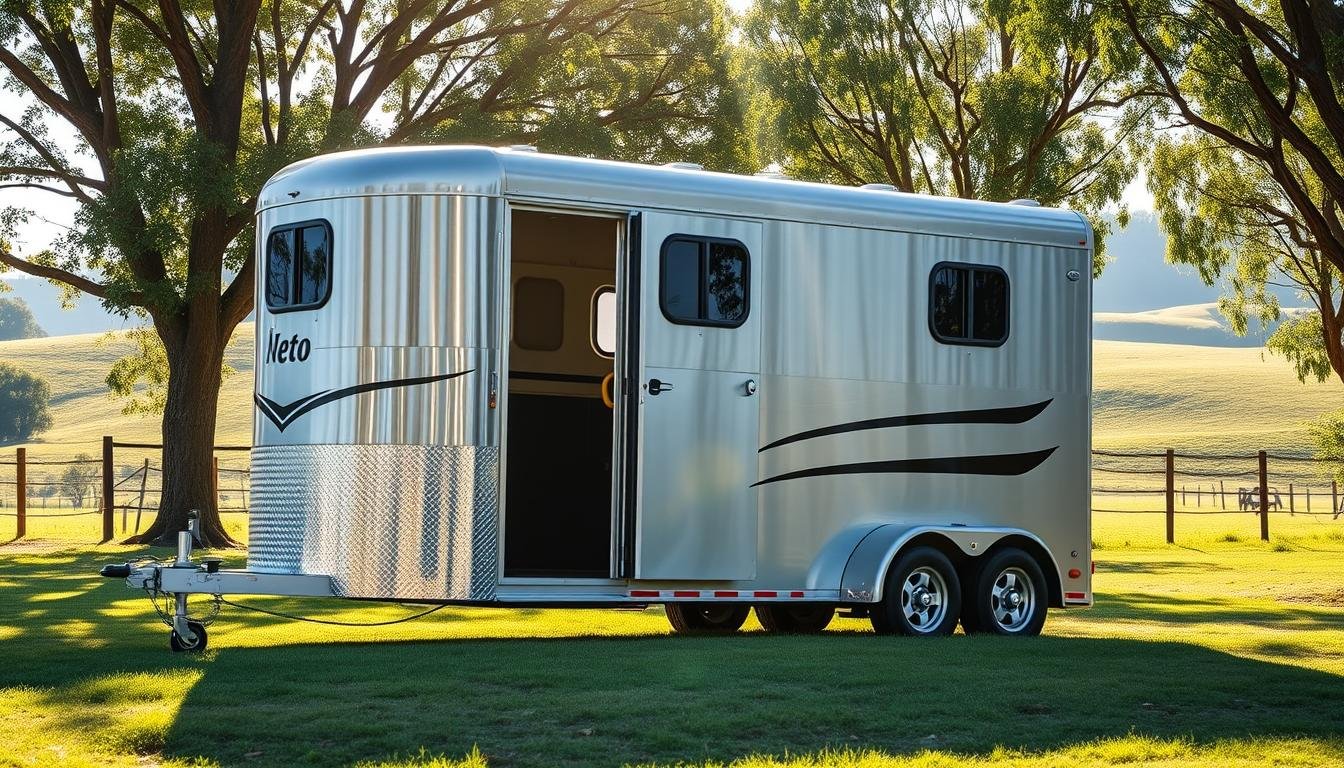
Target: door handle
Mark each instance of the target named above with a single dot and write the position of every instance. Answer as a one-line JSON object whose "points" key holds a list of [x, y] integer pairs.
{"points": [[749, 387], [656, 386]]}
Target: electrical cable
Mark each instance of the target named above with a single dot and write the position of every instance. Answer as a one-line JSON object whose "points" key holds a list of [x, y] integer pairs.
{"points": [[278, 614]]}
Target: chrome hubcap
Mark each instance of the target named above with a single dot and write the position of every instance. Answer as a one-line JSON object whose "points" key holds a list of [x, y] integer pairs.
{"points": [[924, 599], [1012, 599]]}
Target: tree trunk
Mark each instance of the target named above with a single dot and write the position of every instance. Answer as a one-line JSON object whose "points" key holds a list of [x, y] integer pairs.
{"points": [[188, 440]]}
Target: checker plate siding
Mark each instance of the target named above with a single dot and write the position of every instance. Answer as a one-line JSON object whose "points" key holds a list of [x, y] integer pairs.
{"points": [[383, 521]]}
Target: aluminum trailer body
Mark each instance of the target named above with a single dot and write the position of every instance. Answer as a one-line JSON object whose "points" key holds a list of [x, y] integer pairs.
{"points": [[498, 376]]}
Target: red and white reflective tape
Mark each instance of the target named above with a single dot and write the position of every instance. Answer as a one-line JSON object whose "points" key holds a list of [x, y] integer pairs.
{"points": [[732, 594], [1075, 597]]}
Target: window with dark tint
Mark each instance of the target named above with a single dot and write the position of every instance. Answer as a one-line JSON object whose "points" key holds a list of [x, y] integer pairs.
{"points": [[968, 304], [298, 266], [704, 281], [538, 314]]}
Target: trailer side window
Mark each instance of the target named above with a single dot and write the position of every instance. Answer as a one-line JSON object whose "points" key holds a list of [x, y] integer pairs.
{"points": [[968, 304], [538, 314], [298, 266], [704, 281]]}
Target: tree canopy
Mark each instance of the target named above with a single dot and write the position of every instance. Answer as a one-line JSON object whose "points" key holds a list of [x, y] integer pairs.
{"points": [[1248, 181], [17, 321], [24, 400], [992, 100], [181, 110]]}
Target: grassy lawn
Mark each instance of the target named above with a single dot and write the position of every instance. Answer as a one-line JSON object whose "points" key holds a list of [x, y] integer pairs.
{"points": [[1220, 651], [1213, 654]]}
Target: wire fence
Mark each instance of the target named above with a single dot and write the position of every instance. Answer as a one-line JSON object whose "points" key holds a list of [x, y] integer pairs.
{"points": [[118, 486]]}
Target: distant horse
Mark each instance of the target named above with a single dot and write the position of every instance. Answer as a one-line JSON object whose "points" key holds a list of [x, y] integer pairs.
{"points": [[1248, 499]]}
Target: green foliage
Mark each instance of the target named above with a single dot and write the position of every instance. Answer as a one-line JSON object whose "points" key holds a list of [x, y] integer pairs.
{"points": [[24, 401], [989, 100], [17, 321], [1247, 184], [1327, 437], [80, 481], [140, 378], [1298, 339]]}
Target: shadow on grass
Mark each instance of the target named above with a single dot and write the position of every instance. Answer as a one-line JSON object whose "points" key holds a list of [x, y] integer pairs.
{"points": [[606, 701], [1155, 567], [1200, 609]]}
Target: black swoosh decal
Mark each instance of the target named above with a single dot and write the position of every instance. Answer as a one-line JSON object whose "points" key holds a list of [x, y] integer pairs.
{"points": [[1013, 415], [284, 415], [996, 464]]}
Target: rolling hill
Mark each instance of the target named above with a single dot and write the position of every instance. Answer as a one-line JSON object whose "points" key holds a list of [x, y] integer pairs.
{"points": [[1145, 395]]}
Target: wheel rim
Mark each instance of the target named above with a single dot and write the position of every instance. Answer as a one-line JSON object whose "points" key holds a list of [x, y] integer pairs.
{"points": [[924, 599], [1013, 599], [717, 614]]}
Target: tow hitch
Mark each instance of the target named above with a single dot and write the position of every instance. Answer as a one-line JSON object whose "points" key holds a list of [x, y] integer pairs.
{"points": [[187, 632]]}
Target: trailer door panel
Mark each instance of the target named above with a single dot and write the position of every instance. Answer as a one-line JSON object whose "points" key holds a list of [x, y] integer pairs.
{"points": [[698, 411]]}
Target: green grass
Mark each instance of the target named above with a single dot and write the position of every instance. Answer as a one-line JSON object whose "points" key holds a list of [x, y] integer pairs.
{"points": [[1225, 654], [1191, 398], [82, 409]]}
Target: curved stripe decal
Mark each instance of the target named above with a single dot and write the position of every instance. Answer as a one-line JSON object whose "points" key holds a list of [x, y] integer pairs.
{"points": [[1014, 415], [284, 415], [996, 464]]}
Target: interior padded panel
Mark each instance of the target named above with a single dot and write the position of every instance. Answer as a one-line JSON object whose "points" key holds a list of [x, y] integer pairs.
{"points": [[564, 240], [557, 519]]}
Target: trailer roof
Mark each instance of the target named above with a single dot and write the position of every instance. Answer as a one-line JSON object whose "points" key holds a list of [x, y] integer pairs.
{"points": [[564, 180]]}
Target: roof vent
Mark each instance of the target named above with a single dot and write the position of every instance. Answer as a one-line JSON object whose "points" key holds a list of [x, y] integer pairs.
{"points": [[522, 148], [770, 175], [1026, 201], [685, 166], [879, 187]]}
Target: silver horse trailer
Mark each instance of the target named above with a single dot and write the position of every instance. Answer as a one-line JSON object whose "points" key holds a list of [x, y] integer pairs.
{"points": [[500, 377]]}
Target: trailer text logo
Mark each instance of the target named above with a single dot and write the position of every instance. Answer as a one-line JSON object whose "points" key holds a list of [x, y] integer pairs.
{"points": [[291, 350]]}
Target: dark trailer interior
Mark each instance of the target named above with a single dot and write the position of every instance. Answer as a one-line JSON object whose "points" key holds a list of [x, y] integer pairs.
{"points": [[558, 492]]}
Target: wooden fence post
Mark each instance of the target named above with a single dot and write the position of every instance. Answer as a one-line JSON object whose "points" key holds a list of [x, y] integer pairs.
{"points": [[1264, 499], [1292, 506], [1222, 494], [1334, 497], [1308, 499], [108, 490], [214, 483], [1199, 495], [1171, 496], [21, 488]]}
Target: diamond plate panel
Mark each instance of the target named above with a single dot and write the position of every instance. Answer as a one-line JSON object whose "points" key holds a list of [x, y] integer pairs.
{"points": [[408, 522]]}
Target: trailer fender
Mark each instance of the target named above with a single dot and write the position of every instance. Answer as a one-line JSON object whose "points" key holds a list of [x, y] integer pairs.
{"points": [[828, 568], [866, 568]]}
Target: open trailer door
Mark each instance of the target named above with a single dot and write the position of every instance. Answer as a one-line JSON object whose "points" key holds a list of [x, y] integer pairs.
{"points": [[698, 412]]}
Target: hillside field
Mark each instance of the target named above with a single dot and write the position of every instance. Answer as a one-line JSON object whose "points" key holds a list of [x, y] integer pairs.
{"points": [[1145, 396]]}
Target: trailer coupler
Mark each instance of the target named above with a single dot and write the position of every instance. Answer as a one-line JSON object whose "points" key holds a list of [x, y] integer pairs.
{"points": [[169, 583]]}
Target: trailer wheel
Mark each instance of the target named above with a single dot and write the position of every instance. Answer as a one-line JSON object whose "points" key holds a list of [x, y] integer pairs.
{"points": [[706, 618], [178, 645], [922, 596], [1009, 596], [804, 619]]}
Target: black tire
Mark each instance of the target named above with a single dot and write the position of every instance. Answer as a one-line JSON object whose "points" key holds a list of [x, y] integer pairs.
{"points": [[805, 619], [176, 643], [706, 618], [920, 574], [990, 605]]}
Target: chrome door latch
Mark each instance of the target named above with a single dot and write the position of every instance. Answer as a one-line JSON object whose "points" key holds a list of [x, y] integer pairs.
{"points": [[656, 386]]}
